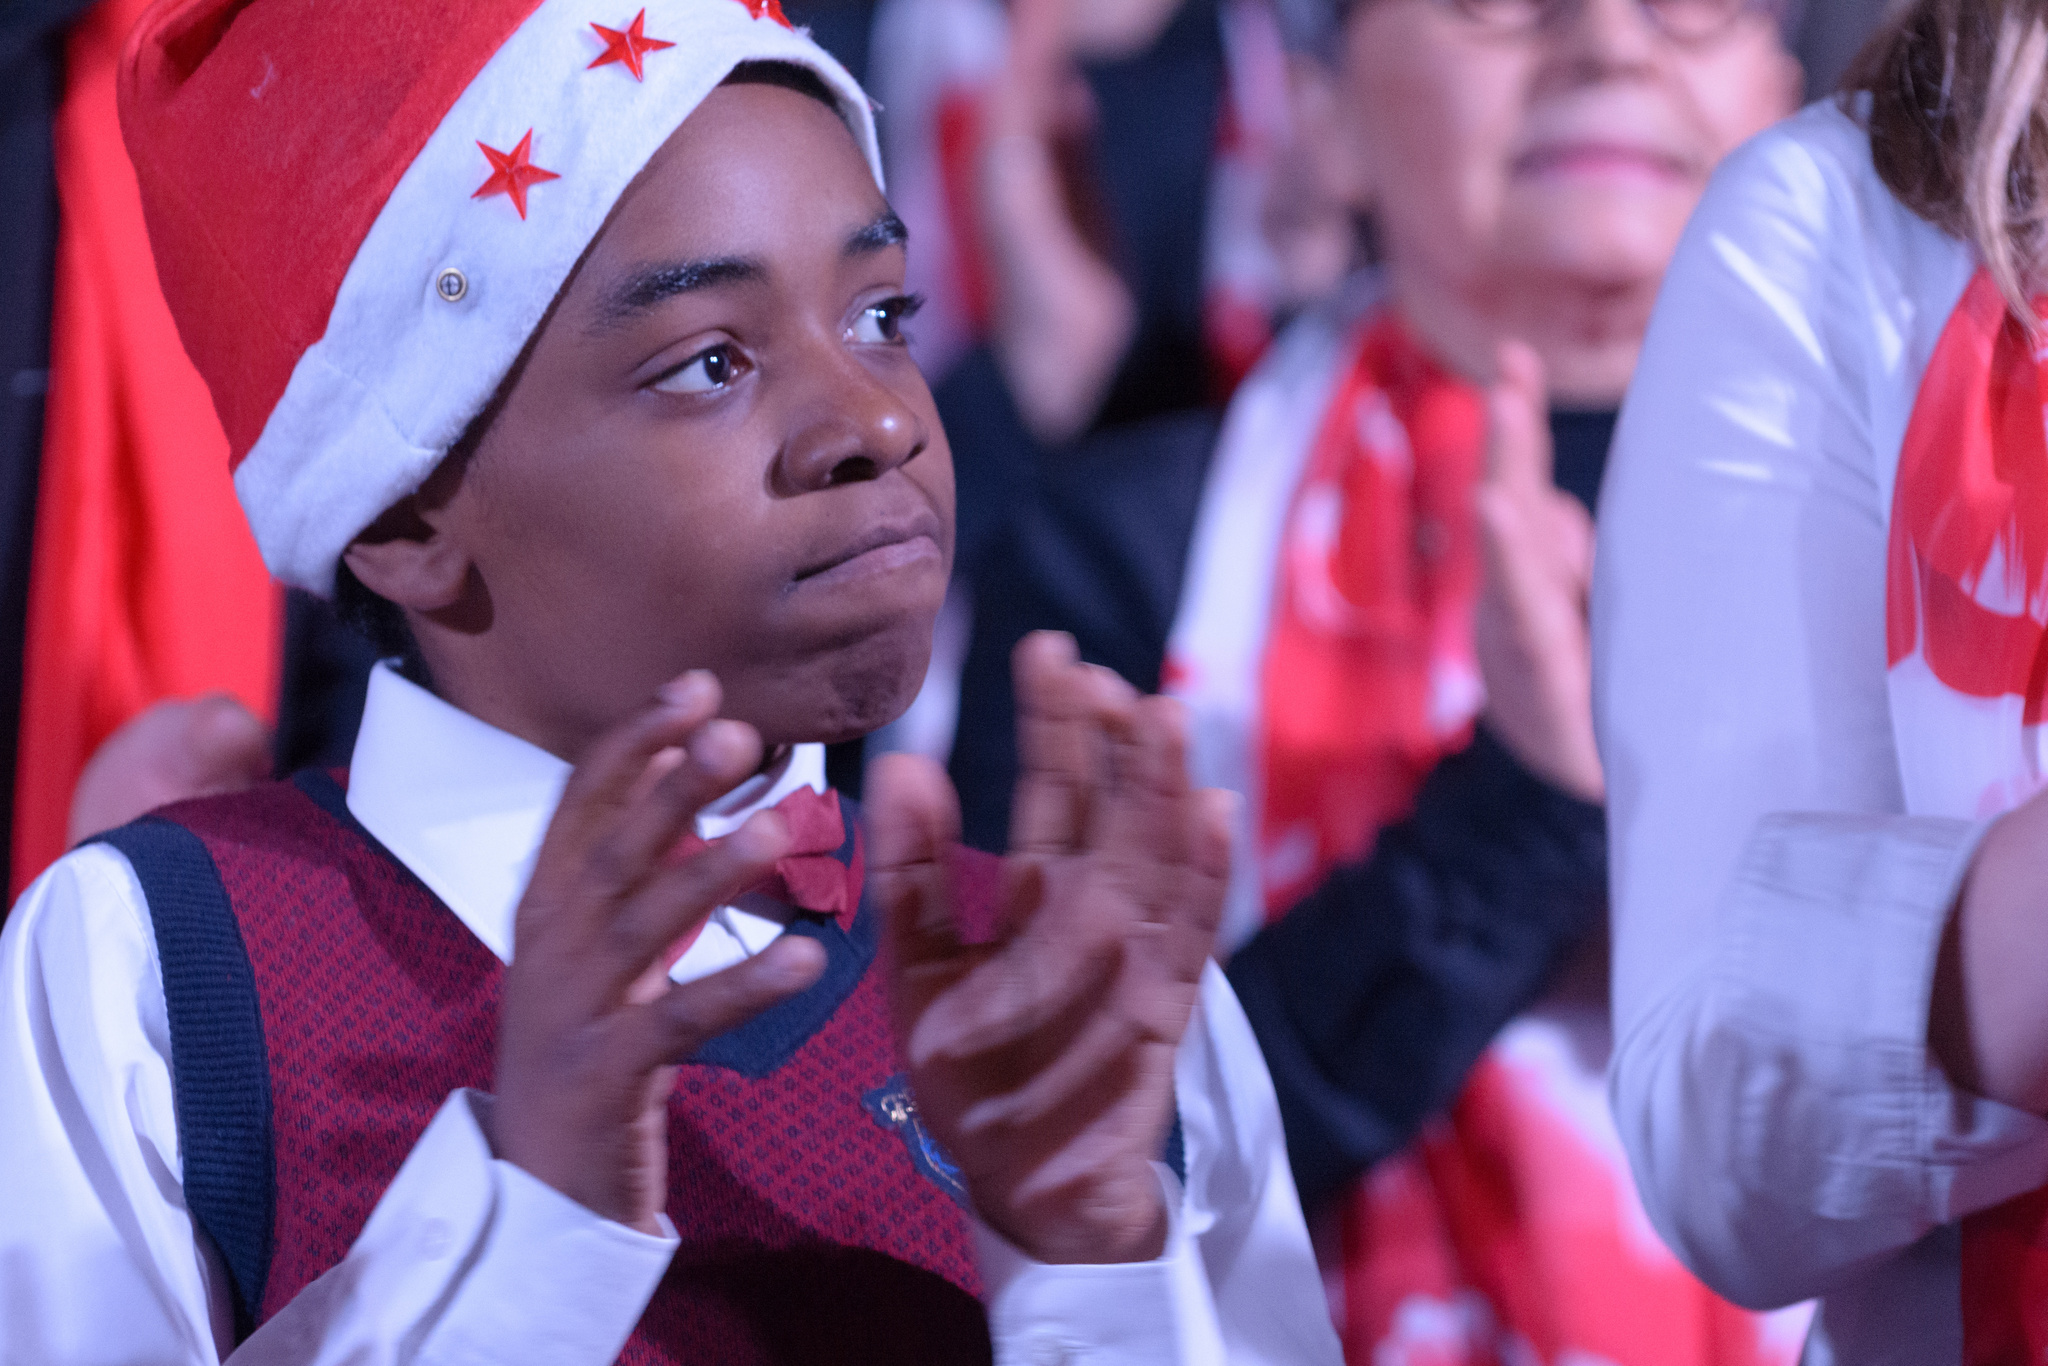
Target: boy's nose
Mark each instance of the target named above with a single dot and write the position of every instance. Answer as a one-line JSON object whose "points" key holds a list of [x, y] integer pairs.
{"points": [[854, 430]]}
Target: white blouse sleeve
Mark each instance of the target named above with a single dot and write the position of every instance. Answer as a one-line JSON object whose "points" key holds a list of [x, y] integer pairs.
{"points": [[1776, 914], [465, 1258]]}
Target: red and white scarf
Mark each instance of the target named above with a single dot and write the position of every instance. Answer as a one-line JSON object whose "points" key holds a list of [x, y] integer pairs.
{"points": [[1966, 625], [1324, 649]]}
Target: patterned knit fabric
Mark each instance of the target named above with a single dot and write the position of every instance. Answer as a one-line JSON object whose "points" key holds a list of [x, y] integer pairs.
{"points": [[816, 1220]]}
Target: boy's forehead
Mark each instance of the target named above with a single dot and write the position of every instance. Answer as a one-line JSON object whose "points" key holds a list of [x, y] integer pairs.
{"points": [[745, 140], [753, 175]]}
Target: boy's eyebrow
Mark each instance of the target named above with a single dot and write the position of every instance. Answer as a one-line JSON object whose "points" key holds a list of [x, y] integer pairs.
{"points": [[885, 232], [645, 288], [651, 285]]}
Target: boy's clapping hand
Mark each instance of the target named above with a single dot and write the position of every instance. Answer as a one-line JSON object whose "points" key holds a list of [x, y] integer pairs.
{"points": [[591, 1026], [1043, 1059]]}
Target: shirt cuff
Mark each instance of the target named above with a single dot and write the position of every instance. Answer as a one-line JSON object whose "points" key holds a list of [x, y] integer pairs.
{"points": [[1836, 923], [1129, 1312], [552, 1281], [476, 1261]]}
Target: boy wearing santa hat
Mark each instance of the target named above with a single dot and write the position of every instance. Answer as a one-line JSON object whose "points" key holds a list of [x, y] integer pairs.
{"points": [[563, 347]]}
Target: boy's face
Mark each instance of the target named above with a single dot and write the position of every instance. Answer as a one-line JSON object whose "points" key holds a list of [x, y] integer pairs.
{"points": [[1573, 147], [719, 455]]}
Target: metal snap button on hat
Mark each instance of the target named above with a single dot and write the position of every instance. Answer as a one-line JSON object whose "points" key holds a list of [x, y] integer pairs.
{"points": [[451, 284]]}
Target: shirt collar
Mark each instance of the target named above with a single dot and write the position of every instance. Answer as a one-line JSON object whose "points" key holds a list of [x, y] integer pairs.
{"points": [[464, 804]]}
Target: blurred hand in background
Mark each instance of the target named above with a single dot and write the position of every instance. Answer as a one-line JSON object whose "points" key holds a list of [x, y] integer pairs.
{"points": [[1530, 627], [172, 751], [1061, 318]]}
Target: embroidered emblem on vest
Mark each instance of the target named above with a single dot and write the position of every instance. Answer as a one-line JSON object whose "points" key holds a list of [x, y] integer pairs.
{"points": [[895, 1109]]}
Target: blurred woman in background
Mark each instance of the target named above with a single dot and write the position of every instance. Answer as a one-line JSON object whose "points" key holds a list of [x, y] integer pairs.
{"points": [[1381, 640]]}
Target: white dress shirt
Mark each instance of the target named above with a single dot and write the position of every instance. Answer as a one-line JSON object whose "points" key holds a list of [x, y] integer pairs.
{"points": [[466, 1258], [1778, 901]]}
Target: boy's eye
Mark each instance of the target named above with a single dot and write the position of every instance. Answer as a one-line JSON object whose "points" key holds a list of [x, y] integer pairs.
{"points": [[881, 324], [705, 373]]}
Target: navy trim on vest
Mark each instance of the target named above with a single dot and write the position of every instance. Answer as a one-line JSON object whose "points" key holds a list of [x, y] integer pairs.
{"points": [[321, 788], [220, 1067]]}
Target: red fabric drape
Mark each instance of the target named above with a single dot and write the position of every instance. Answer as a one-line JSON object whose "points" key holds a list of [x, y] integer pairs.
{"points": [[146, 583]]}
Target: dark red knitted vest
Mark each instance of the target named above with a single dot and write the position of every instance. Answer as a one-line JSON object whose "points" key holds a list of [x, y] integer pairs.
{"points": [[324, 1004]]}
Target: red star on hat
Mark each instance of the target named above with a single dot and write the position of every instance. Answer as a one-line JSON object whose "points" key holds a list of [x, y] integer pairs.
{"points": [[768, 9], [512, 172], [627, 45]]}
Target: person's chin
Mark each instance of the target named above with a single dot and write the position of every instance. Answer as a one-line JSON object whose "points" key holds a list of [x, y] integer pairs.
{"points": [[857, 682], [1608, 232]]}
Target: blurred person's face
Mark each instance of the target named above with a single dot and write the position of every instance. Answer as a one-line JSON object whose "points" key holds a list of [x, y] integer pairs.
{"points": [[1507, 146]]}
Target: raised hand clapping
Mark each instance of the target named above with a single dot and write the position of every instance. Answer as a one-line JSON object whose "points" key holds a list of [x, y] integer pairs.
{"points": [[1043, 1058]]}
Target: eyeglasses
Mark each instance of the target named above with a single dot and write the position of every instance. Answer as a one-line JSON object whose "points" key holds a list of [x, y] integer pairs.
{"points": [[1685, 21]]}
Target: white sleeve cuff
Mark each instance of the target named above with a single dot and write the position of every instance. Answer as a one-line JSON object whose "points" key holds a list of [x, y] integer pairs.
{"points": [[1868, 898], [553, 1282], [472, 1260], [1129, 1312], [1784, 1116]]}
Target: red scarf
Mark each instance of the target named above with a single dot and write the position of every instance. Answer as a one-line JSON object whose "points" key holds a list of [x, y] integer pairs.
{"points": [[1369, 678], [1511, 1231], [1970, 524]]}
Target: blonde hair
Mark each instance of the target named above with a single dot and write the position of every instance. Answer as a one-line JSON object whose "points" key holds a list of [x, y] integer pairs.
{"points": [[1958, 122]]}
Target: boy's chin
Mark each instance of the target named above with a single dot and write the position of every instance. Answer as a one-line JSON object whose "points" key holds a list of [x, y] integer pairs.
{"points": [[854, 691]]}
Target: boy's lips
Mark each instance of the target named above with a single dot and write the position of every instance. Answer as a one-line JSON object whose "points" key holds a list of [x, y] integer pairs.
{"points": [[897, 545]]}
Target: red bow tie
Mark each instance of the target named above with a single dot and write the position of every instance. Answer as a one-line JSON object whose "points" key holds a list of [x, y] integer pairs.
{"points": [[810, 876]]}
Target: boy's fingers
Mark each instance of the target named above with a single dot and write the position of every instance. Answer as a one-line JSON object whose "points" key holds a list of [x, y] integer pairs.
{"points": [[1061, 706], [615, 763], [1145, 824], [1016, 992], [1067, 1079], [1197, 910], [628, 849], [690, 1014], [912, 814], [679, 899], [913, 820]]}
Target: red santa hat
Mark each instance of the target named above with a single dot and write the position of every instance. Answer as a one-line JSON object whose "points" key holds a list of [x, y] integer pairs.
{"points": [[361, 211]]}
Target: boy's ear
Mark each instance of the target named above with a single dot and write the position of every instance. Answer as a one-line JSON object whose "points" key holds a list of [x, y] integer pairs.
{"points": [[409, 554]]}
